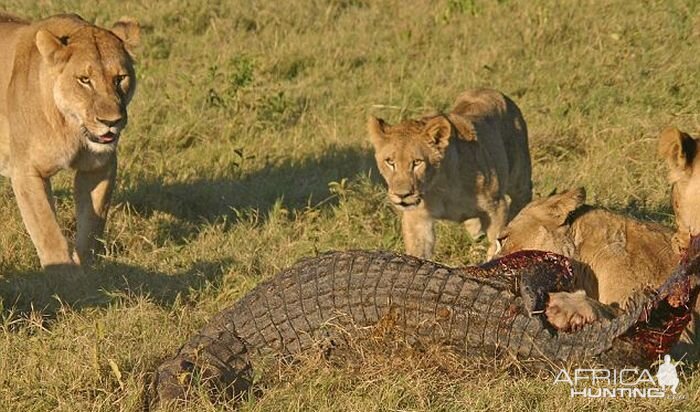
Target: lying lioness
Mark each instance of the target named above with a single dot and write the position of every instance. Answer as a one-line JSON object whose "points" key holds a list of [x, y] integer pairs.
{"points": [[64, 88], [615, 255], [471, 165]]}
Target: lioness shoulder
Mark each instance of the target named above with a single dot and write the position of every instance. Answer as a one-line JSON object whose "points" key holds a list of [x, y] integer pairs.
{"points": [[471, 165], [64, 89]]}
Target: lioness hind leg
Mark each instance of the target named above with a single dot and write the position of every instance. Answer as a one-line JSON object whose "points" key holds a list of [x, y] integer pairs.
{"points": [[93, 192], [571, 311], [35, 201]]}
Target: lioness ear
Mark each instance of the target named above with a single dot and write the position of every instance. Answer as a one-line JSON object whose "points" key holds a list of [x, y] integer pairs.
{"points": [[677, 148], [49, 45], [563, 204], [129, 31], [377, 131], [438, 130]]}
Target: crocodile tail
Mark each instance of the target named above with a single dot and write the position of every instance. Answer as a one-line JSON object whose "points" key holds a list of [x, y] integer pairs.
{"points": [[216, 357]]}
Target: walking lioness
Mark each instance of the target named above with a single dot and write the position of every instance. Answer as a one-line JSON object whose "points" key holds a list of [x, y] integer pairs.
{"points": [[471, 165], [64, 88]]}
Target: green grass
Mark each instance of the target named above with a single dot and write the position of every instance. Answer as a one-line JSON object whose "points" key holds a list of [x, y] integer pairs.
{"points": [[247, 150]]}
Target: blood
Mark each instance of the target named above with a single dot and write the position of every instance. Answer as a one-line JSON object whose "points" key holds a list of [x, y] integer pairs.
{"points": [[665, 317], [526, 259], [670, 310]]}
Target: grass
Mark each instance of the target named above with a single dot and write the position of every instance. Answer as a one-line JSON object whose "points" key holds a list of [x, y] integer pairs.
{"points": [[247, 150]]}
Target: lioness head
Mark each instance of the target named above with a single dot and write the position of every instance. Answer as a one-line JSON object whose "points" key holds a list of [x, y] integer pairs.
{"points": [[90, 73], [543, 225], [680, 151], [408, 155]]}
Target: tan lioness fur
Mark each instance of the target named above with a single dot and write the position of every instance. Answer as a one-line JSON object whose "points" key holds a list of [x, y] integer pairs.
{"points": [[614, 254], [680, 150], [471, 165], [64, 88], [570, 311]]}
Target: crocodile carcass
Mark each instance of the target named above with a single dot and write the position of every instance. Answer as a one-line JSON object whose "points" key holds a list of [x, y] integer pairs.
{"points": [[492, 308]]}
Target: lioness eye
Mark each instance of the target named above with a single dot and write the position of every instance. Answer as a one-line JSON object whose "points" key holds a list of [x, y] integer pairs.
{"points": [[417, 163], [119, 79], [390, 163], [84, 80]]}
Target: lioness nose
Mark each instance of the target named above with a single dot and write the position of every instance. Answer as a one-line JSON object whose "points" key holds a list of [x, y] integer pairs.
{"points": [[110, 122], [402, 194]]}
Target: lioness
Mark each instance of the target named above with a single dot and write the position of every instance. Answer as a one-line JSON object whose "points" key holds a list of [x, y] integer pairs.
{"points": [[614, 256], [680, 150], [471, 165], [64, 88]]}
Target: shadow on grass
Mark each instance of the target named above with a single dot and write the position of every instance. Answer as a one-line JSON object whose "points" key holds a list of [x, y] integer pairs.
{"points": [[46, 291], [298, 183]]}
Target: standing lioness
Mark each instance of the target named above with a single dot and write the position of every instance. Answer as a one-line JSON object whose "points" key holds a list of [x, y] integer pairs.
{"points": [[64, 88], [471, 165]]}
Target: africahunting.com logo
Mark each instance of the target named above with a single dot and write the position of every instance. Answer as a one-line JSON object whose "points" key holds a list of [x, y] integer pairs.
{"points": [[623, 383]]}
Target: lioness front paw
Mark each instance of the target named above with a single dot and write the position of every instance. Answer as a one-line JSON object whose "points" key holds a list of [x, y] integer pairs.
{"points": [[570, 311]]}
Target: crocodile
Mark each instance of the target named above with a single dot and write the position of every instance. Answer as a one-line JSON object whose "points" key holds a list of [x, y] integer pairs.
{"points": [[493, 308]]}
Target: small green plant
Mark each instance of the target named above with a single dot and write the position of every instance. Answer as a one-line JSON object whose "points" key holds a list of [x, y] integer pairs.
{"points": [[459, 7], [240, 72], [229, 80]]}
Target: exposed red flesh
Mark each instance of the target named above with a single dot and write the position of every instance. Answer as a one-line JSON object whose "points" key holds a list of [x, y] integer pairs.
{"points": [[670, 311]]}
